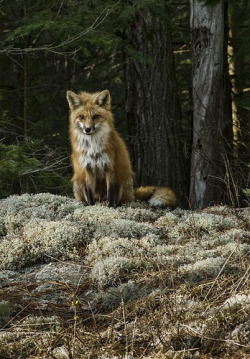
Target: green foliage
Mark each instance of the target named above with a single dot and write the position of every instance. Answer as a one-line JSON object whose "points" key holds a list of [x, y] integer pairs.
{"points": [[14, 163], [247, 192], [24, 169], [36, 23]]}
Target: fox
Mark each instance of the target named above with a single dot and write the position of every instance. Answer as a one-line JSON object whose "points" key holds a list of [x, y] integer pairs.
{"points": [[102, 169]]}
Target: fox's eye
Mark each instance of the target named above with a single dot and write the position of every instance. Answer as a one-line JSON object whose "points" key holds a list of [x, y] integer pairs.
{"points": [[96, 116], [81, 117]]}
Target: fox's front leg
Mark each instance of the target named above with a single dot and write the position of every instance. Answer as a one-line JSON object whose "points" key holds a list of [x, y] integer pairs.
{"points": [[110, 188], [90, 187], [79, 191]]}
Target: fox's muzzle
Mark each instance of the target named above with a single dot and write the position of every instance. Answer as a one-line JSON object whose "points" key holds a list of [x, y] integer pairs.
{"points": [[89, 130]]}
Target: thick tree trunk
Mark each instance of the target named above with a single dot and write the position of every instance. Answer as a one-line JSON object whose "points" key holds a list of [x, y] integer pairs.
{"points": [[212, 122], [153, 110]]}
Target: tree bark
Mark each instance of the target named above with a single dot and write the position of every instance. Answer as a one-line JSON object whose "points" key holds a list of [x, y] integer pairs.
{"points": [[153, 109], [239, 80], [212, 120]]}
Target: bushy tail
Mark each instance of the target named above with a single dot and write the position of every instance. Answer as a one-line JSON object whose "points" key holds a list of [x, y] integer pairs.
{"points": [[156, 196]]}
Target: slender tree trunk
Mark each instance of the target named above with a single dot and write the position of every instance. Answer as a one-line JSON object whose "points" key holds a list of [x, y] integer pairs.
{"points": [[241, 122], [212, 120], [25, 127], [153, 110]]}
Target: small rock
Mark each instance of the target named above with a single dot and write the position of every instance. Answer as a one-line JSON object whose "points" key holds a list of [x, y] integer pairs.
{"points": [[70, 273]]}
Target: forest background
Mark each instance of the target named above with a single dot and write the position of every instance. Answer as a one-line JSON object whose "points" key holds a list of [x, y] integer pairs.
{"points": [[148, 54]]}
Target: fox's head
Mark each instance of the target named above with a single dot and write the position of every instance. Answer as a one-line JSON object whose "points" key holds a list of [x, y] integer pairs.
{"points": [[90, 112]]}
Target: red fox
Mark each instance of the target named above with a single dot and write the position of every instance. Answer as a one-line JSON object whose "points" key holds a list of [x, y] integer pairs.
{"points": [[100, 159]]}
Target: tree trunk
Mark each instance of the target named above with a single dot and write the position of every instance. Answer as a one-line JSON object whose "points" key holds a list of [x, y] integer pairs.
{"points": [[153, 110], [239, 79], [212, 120]]}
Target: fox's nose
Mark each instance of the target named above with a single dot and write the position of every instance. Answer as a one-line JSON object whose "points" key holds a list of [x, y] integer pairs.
{"points": [[87, 129]]}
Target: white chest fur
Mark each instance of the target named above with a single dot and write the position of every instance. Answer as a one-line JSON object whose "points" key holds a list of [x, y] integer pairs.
{"points": [[91, 149]]}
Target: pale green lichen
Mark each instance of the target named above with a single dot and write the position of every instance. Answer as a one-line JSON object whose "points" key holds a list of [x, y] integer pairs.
{"points": [[42, 205], [172, 279], [44, 227], [124, 228], [209, 267], [42, 241], [16, 211], [137, 214], [148, 252], [197, 225], [104, 247], [242, 299], [114, 223], [167, 221], [110, 271], [239, 336]]}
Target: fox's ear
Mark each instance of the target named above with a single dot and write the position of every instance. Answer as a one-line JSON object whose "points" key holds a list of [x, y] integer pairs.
{"points": [[74, 100], [104, 99]]}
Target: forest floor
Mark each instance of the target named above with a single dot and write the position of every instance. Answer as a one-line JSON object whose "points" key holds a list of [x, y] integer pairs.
{"points": [[132, 282]]}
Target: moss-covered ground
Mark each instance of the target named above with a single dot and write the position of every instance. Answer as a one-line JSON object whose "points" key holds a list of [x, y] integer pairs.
{"points": [[132, 282]]}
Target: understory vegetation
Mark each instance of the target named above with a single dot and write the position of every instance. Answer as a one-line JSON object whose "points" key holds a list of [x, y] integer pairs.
{"points": [[132, 282]]}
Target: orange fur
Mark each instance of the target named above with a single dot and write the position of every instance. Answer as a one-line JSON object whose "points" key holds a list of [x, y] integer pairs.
{"points": [[156, 196], [100, 159], [118, 169]]}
